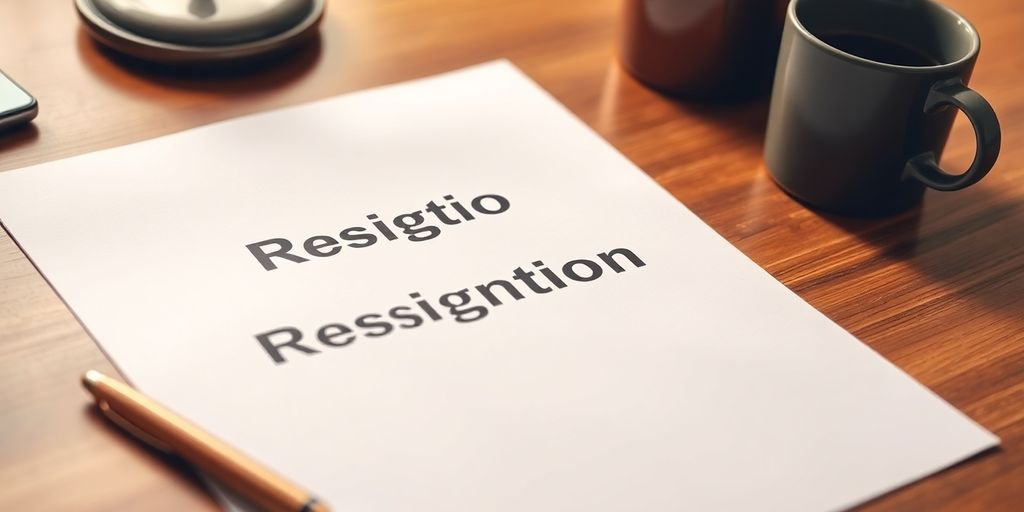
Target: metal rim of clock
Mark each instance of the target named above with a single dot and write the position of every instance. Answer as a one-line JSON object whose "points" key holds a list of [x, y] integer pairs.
{"points": [[129, 43]]}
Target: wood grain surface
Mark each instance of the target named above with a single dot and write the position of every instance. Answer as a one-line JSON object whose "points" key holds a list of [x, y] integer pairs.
{"points": [[939, 291]]}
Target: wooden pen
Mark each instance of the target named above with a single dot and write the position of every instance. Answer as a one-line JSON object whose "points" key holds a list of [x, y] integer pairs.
{"points": [[168, 432]]}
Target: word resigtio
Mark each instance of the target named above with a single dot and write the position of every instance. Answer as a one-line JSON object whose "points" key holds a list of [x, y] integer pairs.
{"points": [[415, 226]]}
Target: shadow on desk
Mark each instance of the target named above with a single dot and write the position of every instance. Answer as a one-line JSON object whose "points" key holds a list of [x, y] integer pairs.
{"points": [[969, 240], [11, 138], [748, 118], [267, 74], [177, 472]]}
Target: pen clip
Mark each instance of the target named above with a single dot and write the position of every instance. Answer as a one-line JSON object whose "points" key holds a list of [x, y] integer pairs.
{"points": [[140, 434]]}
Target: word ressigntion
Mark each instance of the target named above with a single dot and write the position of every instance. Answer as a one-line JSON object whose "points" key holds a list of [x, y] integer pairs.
{"points": [[463, 305], [414, 225]]}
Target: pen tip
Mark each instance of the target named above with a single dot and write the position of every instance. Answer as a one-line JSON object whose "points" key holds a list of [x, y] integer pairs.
{"points": [[90, 379]]}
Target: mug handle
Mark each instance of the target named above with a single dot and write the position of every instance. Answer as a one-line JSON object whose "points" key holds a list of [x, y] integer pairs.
{"points": [[925, 169]]}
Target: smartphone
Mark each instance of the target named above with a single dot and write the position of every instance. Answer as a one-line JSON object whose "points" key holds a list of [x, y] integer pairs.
{"points": [[16, 105]]}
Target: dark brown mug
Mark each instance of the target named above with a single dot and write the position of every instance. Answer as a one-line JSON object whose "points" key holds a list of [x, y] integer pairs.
{"points": [[702, 48]]}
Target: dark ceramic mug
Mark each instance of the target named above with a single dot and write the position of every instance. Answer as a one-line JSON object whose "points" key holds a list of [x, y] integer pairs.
{"points": [[865, 94], [702, 49]]}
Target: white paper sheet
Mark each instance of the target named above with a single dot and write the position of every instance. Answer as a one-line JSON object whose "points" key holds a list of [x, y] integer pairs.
{"points": [[693, 382]]}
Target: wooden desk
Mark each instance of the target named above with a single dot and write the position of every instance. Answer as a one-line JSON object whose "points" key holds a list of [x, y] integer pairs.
{"points": [[939, 291]]}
